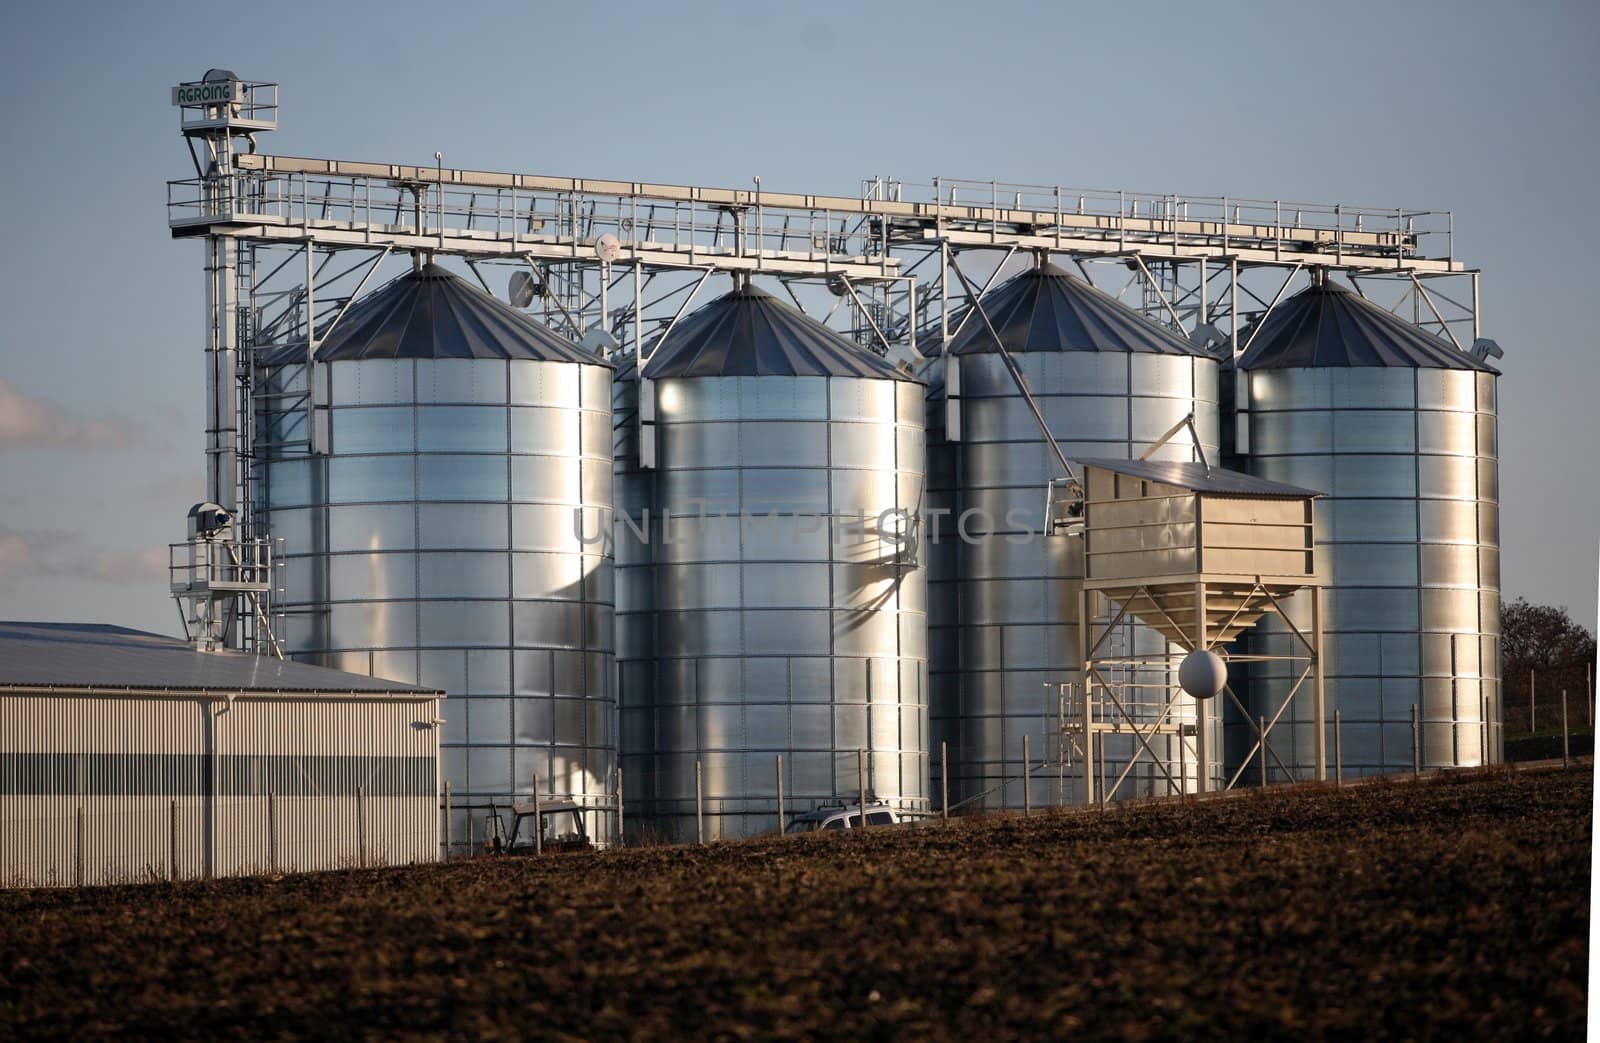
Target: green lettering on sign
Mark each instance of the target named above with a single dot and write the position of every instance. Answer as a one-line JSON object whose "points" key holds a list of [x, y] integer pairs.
{"points": [[216, 93]]}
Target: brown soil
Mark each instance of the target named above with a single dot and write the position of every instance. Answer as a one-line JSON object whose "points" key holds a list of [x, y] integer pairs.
{"points": [[1454, 908]]}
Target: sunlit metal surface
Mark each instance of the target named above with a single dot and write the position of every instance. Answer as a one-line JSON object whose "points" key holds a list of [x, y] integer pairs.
{"points": [[437, 540], [788, 619], [1003, 599], [1408, 536]]}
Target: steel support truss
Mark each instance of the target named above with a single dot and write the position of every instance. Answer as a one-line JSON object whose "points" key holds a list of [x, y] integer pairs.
{"points": [[1221, 607], [1207, 266], [290, 242]]}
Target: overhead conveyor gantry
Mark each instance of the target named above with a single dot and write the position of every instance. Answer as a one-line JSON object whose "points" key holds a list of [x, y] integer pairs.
{"points": [[290, 241]]}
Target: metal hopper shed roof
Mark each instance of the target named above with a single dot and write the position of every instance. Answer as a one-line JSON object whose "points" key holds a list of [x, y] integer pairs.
{"points": [[1200, 478]]}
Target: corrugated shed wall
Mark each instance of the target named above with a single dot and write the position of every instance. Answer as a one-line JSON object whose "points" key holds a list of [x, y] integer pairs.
{"points": [[104, 789]]}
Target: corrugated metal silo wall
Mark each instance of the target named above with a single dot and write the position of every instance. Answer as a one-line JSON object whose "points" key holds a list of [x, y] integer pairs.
{"points": [[174, 786], [438, 543], [636, 620], [798, 634], [1003, 629], [1409, 538]]}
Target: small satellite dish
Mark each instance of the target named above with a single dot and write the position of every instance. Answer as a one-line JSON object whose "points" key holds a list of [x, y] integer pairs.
{"points": [[522, 289], [837, 286], [1203, 674], [608, 248], [600, 343]]}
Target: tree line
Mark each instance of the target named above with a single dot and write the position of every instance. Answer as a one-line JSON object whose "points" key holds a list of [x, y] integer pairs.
{"points": [[1557, 650]]}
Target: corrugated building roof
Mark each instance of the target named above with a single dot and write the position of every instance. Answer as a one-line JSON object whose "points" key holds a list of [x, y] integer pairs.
{"points": [[98, 656]]}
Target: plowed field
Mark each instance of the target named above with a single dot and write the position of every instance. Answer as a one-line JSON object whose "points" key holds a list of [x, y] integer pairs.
{"points": [[1449, 909]]}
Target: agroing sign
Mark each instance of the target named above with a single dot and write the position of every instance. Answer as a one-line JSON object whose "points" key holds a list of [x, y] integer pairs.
{"points": [[214, 92]]}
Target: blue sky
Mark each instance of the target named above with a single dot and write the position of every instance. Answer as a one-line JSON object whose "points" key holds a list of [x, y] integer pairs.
{"points": [[1487, 111]]}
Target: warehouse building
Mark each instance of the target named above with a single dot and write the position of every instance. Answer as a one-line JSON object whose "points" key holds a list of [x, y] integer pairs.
{"points": [[128, 756]]}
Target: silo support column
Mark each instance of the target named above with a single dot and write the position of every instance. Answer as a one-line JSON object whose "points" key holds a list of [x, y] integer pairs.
{"points": [[1202, 740], [1319, 703], [1086, 667]]}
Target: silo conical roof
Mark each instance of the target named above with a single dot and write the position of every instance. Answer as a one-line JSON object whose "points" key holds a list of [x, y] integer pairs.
{"points": [[431, 313], [750, 333], [1329, 326], [1047, 309]]}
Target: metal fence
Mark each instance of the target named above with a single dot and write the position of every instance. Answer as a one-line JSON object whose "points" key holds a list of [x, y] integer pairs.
{"points": [[67, 841]]}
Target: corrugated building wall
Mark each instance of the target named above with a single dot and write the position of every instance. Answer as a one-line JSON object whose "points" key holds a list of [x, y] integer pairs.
{"points": [[100, 786]]}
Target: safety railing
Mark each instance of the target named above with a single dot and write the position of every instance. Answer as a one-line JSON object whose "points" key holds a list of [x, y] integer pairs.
{"points": [[203, 565], [254, 106], [694, 230], [1143, 217]]}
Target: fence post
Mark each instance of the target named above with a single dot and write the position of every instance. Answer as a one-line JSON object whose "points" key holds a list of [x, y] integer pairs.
{"points": [[861, 785], [447, 815], [1483, 729], [538, 822], [944, 780], [1566, 745], [1027, 789], [361, 824], [79, 859], [172, 840], [781, 822], [1183, 766], [699, 806], [1261, 759], [1338, 748], [1098, 795], [272, 833], [1416, 740], [1533, 706], [619, 805], [1061, 750]]}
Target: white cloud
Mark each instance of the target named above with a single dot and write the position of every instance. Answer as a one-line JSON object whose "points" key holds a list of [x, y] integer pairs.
{"points": [[177, 491], [60, 554], [16, 557], [136, 565], [27, 422]]}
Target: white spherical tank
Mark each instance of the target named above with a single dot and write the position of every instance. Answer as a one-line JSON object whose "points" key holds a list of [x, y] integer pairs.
{"points": [[1203, 674]]}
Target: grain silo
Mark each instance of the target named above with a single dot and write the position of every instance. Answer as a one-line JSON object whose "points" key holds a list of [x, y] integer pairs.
{"points": [[1110, 383], [430, 512], [633, 492], [789, 601], [1399, 427]]}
